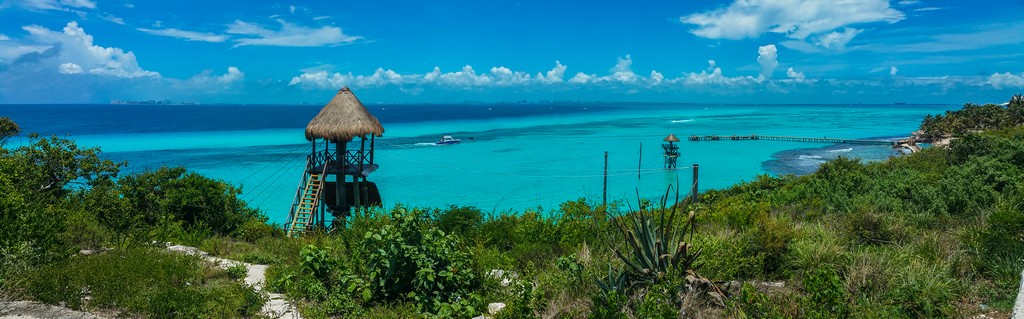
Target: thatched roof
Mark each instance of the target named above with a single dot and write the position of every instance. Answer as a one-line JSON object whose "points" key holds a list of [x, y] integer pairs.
{"points": [[342, 119], [671, 138]]}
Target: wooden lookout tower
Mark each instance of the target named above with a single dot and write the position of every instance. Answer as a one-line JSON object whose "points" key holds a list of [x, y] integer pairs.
{"points": [[334, 178], [671, 151]]}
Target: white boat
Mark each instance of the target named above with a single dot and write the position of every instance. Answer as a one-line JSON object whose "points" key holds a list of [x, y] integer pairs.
{"points": [[448, 139]]}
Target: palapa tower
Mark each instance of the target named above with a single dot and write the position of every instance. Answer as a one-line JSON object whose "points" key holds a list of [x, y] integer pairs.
{"points": [[335, 177]]}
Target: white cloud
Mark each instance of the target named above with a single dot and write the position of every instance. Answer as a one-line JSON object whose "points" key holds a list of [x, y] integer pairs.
{"points": [[207, 81], [70, 68], [767, 56], [62, 5], [1006, 80], [291, 9], [553, 76], [793, 74], [656, 78], [837, 40], [111, 18], [581, 78], [908, 2], [797, 19], [187, 35], [505, 77], [623, 71], [925, 9], [74, 45], [79, 3], [4, 37], [290, 35], [715, 77], [893, 70], [963, 37], [322, 79]]}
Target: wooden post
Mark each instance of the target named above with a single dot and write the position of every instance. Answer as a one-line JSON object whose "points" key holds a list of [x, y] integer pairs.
{"points": [[339, 188], [604, 193], [371, 148], [693, 191], [358, 184]]}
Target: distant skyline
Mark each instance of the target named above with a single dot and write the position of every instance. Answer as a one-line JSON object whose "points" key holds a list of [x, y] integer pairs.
{"points": [[742, 51]]}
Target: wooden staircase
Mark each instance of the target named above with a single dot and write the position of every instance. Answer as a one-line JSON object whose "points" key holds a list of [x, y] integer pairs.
{"points": [[308, 203]]}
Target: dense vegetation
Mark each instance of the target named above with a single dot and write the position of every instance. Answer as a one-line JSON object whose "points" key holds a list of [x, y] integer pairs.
{"points": [[57, 199], [939, 233]]}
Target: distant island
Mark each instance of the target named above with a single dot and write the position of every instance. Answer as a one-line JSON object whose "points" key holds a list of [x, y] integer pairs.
{"points": [[150, 102]]}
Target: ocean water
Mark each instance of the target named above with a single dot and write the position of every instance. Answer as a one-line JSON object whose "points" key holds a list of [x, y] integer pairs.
{"points": [[512, 156]]}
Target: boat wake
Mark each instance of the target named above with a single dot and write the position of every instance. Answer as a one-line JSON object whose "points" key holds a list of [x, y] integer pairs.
{"points": [[843, 150], [682, 121]]}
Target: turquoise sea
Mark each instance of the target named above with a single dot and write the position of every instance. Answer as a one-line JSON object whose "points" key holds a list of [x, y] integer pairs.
{"points": [[512, 156]]}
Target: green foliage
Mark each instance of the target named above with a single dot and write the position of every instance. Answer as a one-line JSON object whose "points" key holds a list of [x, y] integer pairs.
{"points": [[524, 306], [826, 295], [973, 117], [609, 304], [769, 243], [657, 246], [464, 221], [751, 303], [658, 301], [237, 271], [143, 282], [413, 260], [8, 129], [187, 197]]}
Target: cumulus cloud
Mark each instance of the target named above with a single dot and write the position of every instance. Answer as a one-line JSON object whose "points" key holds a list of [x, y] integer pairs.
{"points": [[321, 79], [767, 56], [187, 35], [70, 68], [74, 45], [797, 19], [207, 81], [553, 76], [4, 37], [713, 76], [793, 74], [837, 40], [289, 35], [893, 70], [1006, 80]]}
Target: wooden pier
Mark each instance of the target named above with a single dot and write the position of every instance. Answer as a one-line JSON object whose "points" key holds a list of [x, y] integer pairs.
{"points": [[754, 137]]}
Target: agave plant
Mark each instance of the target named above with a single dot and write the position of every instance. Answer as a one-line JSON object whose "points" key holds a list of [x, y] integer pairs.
{"points": [[615, 282], [656, 245]]}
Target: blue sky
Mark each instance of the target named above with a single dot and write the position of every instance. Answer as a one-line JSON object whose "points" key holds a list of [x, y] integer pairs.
{"points": [[741, 51]]}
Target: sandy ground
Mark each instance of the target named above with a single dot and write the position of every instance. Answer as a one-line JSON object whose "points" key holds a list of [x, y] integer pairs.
{"points": [[277, 307]]}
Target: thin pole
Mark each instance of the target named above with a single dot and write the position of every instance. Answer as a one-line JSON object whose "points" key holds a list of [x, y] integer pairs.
{"points": [[604, 193], [639, 160], [693, 191]]}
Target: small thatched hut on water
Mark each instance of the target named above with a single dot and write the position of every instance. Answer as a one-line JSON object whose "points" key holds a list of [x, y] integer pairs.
{"points": [[325, 184]]}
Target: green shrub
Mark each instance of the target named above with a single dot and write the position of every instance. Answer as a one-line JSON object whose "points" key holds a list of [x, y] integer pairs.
{"points": [[464, 221], [143, 282], [826, 295], [237, 271], [769, 242], [411, 259]]}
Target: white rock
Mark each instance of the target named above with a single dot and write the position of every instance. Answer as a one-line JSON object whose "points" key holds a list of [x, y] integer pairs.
{"points": [[494, 307]]}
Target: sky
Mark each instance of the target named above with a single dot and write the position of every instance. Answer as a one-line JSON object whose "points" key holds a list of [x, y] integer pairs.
{"points": [[386, 51]]}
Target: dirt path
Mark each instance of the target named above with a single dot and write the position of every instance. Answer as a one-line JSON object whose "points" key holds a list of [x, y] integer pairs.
{"points": [[277, 307]]}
